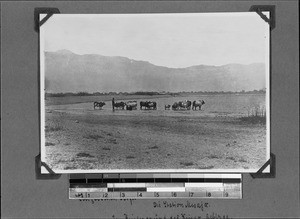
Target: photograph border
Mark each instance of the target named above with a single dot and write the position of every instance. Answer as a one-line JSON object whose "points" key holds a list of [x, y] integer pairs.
{"points": [[70, 171]]}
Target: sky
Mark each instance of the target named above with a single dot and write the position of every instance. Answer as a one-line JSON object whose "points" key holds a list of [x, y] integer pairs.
{"points": [[171, 40]]}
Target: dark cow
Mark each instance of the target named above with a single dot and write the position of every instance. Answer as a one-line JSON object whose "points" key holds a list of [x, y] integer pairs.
{"points": [[175, 106], [167, 107], [119, 105], [143, 104], [131, 105], [198, 103], [182, 105], [99, 105], [148, 105], [185, 104]]}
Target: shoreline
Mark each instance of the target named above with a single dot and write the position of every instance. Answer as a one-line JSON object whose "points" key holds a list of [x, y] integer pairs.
{"points": [[89, 99]]}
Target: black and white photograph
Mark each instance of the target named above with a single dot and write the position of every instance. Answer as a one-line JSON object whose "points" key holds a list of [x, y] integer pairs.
{"points": [[173, 92]]}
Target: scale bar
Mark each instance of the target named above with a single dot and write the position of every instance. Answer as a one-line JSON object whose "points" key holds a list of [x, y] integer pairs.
{"points": [[116, 186]]}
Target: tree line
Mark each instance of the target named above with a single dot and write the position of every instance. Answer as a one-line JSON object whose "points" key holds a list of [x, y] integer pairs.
{"points": [[151, 93]]}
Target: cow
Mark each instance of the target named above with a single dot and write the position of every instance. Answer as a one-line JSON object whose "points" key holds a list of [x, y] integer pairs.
{"points": [[99, 105], [185, 104], [175, 106], [143, 104], [148, 105], [152, 105], [167, 107], [197, 103], [119, 105], [131, 105], [182, 105]]}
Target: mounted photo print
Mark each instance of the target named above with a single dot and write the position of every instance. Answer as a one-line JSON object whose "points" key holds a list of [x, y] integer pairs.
{"points": [[173, 92]]}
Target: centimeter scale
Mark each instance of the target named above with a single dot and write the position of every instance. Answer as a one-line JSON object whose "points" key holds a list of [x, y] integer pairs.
{"points": [[146, 186]]}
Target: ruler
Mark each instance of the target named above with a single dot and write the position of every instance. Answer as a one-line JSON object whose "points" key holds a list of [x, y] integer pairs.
{"points": [[156, 186]]}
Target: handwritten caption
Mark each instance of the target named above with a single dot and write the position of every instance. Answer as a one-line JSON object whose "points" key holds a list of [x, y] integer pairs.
{"points": [[178, 216], [202, 206], [175, 204], [93, 201]]}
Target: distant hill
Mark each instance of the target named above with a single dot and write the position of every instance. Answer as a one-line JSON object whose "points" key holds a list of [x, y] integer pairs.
{"points": [[66, 71]]}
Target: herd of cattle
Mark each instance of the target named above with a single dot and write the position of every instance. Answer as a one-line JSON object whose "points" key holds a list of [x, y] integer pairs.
{"points": [[152, 105]]}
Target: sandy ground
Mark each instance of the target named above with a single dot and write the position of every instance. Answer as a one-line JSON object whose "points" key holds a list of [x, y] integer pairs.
{"points": [[77, 140]]}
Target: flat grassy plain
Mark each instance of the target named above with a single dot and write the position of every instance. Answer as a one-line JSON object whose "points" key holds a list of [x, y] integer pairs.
{"points": [[215, 138]]}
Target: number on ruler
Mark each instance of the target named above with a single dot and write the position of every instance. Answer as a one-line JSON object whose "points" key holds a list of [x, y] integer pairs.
{"points": [[78, 195], [226, 194], [105, 195], [156, 194], [122, 194], [140, 194], [208, 194], [174, 194], [88, 195], [191, 194]]}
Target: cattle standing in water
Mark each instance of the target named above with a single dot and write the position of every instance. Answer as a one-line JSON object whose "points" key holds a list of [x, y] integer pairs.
{"points": [[167, 107], [148, 105], [175, 106], [113, 104], [185, 104], [152, 105], [198, 103], [143, 104], [119, 105], [182, 105], [131, 105], [99, 105]]}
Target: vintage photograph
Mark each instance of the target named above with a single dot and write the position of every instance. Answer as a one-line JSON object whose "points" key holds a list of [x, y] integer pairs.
{"points": [[181, 92]]}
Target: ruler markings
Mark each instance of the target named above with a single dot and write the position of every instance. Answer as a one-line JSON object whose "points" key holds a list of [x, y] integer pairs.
{"points": [[213, 176], [78, 176], [201, 189], [145, 180], [231, 180], [196, 175], [88, 190], [88, 185], [196, 180], [166, 189], [145, 175], [163, 180], [95, 180], [145, 195], [213, 180], [203, 184], [94, 175], [111, 176], [164, 185], [161, 175], [174, 180], [225, 176], [78, 180], [116, 186], [128, 175], [125, 185], [127, 189], [127, 180], [128, 194], [107, 180], [94, 195], [178, 176]]}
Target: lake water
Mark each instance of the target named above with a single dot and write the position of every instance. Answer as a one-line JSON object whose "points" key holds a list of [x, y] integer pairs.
{"points": [[232, 105]]}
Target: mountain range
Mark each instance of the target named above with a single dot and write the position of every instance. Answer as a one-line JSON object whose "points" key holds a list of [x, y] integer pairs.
{"points": [[66, 71]]}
